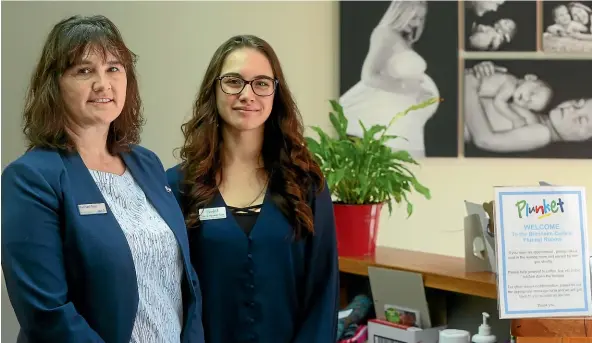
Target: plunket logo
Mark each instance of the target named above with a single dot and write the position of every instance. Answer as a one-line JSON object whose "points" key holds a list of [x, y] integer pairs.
{"points": [[543, 210]]}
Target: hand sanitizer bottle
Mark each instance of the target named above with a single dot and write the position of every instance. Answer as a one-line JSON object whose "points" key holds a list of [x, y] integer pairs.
{"points": [[484, 335]]}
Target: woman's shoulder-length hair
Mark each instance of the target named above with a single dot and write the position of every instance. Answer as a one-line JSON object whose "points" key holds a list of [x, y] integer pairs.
{"points": [[70, 40]]}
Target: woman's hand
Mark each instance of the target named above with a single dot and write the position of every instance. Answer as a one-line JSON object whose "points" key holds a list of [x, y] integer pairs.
{"points": [[487, 68]]}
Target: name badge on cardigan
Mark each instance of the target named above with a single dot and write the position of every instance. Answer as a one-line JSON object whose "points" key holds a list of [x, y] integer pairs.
{"points": [[212, 213], [88, 209]]}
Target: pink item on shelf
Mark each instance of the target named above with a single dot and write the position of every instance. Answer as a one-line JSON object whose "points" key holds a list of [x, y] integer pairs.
{"points": [[360, 336]]}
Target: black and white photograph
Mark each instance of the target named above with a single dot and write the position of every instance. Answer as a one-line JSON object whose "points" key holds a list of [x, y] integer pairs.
{"points": [[397, 54], [500, 25], [528, 108], [567, 26]]}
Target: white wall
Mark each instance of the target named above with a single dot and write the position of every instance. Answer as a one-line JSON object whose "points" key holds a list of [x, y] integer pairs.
{"points": [[175, 41]]}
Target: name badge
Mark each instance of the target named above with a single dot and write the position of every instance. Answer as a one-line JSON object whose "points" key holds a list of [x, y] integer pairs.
{"points": [[87, 209], [212, 213]]}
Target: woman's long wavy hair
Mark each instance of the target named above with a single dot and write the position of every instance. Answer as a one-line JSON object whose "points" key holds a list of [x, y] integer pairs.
{"points": [[293, 173], [44, 117]]}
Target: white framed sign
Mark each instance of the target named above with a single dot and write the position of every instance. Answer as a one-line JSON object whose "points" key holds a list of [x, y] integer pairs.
{"points": [[542, 252]]}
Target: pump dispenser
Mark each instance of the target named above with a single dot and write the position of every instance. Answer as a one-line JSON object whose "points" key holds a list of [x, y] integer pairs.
{"points": [[484, 335]]}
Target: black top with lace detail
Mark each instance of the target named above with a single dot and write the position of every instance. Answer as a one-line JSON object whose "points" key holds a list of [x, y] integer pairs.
{"points": [[246, 216]]}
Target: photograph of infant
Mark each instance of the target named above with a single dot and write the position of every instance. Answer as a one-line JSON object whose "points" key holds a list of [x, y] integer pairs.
{"points": [[567, 26], [500, 25], [527, 108], [396, 54]]}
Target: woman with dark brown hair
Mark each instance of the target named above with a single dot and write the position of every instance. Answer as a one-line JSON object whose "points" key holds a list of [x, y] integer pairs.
{"points": [[94, 246], [258, 211]]}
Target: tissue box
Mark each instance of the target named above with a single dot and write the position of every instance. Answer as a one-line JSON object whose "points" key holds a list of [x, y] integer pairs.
{"points": [[383, 331]]}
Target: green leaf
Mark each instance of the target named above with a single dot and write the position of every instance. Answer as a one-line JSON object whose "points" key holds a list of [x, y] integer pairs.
{"points": [[338, 125], [404, 156], [320, 132], [336, 106], [370, 133], [421, 189], [409, 209], [313, 145], [338, 175]]}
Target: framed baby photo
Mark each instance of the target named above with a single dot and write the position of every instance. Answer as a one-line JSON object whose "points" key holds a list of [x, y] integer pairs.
{"points": [[509, 26], [566, 27], [527, 108]]}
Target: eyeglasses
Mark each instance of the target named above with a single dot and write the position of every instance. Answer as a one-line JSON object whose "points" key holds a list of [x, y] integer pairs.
{"points": [[262, 86]]}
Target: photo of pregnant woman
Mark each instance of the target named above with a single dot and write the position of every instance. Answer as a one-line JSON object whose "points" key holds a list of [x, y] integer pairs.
{"points": [[567, 26], [528, 108], [397, 54]]}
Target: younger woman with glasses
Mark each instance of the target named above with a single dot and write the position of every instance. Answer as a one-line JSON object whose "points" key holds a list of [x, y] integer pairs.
{"points": [[258, 211]]}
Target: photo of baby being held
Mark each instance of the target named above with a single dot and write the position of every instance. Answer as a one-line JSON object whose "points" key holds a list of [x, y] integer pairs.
{"points": [[500, 26], [527, 108], [567, 26]]}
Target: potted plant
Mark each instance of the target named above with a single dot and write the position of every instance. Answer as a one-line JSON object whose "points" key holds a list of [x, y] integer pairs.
{"points": [[363, 174]]}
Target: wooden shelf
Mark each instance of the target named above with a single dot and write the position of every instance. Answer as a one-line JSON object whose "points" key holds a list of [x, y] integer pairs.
{"points": [[552, 330], [439, 271]]}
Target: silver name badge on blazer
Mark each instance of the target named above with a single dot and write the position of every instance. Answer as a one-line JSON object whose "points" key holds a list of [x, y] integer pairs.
{"points": [[88, 209], [212, 213]]}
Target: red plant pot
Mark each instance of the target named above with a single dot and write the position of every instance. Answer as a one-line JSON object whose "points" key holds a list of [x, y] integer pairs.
{"points": [[357, 229]]}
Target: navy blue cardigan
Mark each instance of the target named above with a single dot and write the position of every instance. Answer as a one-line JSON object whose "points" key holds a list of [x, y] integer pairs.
{"points": [[265, 287], [71, 277]]}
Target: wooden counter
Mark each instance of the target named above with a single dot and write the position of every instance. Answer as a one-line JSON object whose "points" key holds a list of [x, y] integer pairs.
{"points": [[439, 271], [553, 330]]}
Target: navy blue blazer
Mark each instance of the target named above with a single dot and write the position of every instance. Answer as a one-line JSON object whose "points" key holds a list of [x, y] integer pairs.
{"points": [[266, 287], [71, 277]]}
